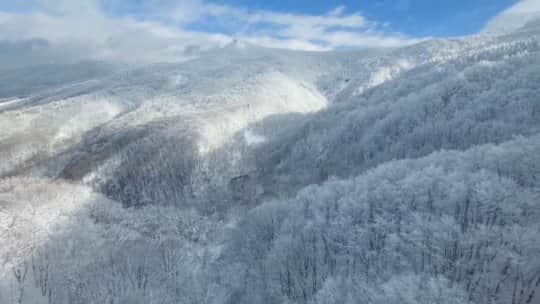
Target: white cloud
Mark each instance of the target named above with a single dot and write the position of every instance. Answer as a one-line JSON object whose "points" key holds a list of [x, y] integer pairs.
{"points": [[159, 32], [284, 43], [514, 17], [334, 29], [81, 30]]}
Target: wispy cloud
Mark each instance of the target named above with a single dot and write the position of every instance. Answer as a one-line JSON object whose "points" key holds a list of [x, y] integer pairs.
{"points": [[335, 29], [165, 30]]}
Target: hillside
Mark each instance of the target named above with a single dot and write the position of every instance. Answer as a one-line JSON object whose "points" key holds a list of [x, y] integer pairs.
{"points": [[256, 175]]}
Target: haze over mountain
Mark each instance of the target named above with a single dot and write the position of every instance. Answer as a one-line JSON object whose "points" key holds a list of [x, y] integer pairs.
{"points": [[246, 174]]}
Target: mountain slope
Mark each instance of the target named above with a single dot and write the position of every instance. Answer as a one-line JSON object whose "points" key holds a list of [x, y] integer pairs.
{"points": [[253, 175]]}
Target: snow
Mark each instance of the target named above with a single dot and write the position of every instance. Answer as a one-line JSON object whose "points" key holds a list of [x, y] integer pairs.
{"points": [[252, 138], [32, 210], [515, 17], [269, 94], [223, 178]]}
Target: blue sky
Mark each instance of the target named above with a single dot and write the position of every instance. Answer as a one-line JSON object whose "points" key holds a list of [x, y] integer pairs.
{"points": [[412, 18], [162, 30], [415, 18]]}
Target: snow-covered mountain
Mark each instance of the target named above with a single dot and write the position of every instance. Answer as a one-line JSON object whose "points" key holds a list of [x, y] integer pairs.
{"points": [[254, 175], [515, 17]]}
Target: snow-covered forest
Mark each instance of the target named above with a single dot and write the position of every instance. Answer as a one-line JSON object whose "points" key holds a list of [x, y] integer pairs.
{"points": [[257, 175]]}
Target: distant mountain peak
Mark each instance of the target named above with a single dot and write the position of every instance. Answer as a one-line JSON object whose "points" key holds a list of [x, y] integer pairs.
{"points": [[524, 13], [238, 44]]}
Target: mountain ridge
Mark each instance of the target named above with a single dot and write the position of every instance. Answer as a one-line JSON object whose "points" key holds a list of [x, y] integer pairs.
{"points": [[253, 175]]}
